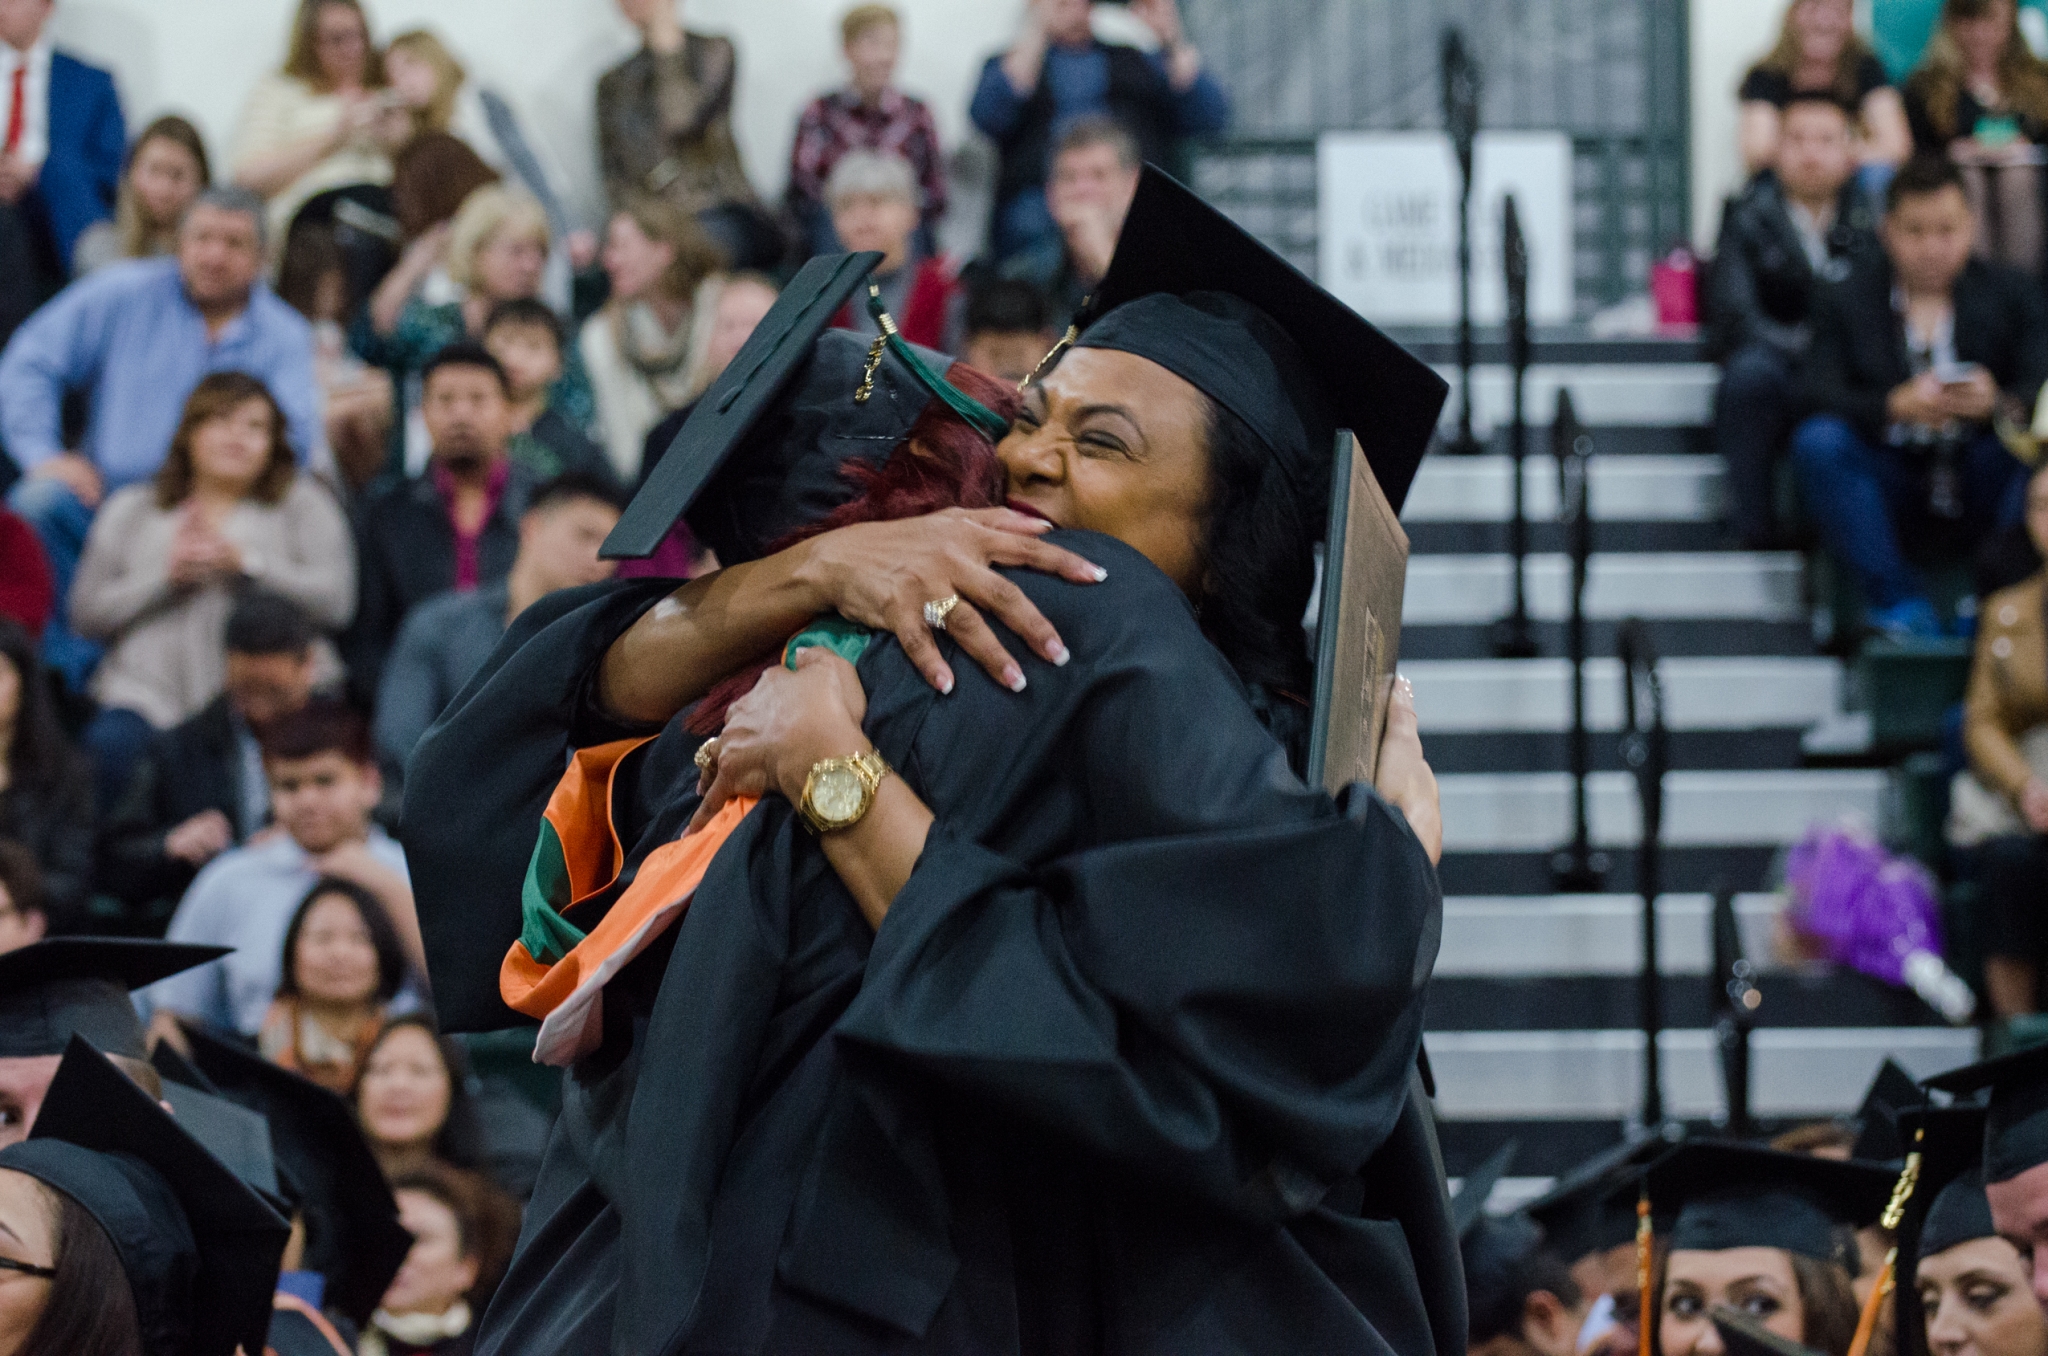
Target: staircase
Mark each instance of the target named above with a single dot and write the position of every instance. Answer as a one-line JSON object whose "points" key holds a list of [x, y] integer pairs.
{"points": [[1532, 1026]]}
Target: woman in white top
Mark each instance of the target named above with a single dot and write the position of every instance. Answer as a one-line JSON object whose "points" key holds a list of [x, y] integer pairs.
{"points": [[641, 350]]}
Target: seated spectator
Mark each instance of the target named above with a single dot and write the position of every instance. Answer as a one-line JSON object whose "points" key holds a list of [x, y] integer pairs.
{"points": [[458, 1256], [454, 526], [355, 398], [28, 591], [200, 789], [2005, 730], [136, 339], [45, 784], [417, 1110], [664, 130], [1058, 73], [1094, 178], [164, 174], [1980, 97], [1912, 355], [341, 964], [22, 919], [323, 785], [527, 339], [61, 142], [447, 638], [1819, 52], [164, 562], [869, 114], [874, 202], [1789, 233], [638, 350], [1008, 329]]}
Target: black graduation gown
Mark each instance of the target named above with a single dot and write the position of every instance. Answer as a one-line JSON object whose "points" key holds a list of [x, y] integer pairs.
{"points": [[1128, 1068]]}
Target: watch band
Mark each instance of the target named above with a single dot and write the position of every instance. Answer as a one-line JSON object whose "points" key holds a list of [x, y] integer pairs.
{"points": [[869, 768]]}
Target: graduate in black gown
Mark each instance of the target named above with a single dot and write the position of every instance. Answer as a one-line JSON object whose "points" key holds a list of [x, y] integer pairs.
{"points": [[1094, 1028]]}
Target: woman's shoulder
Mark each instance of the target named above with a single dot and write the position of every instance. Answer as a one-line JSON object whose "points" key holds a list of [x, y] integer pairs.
{"points": [[130, 506], [1763, 84], [2018, 606], [1135, 614]]}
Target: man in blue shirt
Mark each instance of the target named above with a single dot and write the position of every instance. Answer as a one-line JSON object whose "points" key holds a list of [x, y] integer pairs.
{"points": [[136, 338], [1058, 72]]}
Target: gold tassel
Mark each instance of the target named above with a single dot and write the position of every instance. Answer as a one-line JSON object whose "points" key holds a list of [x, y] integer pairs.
{"points": [[1894, 1213], [1646, 1273]]}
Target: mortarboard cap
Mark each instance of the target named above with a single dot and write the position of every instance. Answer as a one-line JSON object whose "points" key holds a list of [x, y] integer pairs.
{"points": [[1468, 1207], [1743, 1335], [199, 1248], [1592, 1208], [1891, 1092], [2016, 1108], [1728, 1195], [353, 1236], [1947, 1206], [78, 986]]}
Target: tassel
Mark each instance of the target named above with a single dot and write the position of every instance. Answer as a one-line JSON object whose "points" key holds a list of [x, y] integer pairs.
{"points": [[1646, 1274], [1894, 1213], [979, 416]]}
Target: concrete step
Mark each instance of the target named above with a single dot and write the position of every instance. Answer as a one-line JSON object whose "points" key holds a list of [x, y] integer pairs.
{"points": [[1790, 636], [1532, 811], [1672, 395], [1735, 693], [1659, 489], [1742, 585], [1522, 936], [1550, 750]]}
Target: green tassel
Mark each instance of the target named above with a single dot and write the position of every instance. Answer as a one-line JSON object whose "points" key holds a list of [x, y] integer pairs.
{"points": [[990, 424]]}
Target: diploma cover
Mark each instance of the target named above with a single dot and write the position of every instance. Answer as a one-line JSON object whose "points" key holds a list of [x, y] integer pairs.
{"points": [[1358, 634]]}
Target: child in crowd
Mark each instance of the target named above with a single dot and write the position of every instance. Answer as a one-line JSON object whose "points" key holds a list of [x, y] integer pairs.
{"points": [[527, 339], [1009, 329]]}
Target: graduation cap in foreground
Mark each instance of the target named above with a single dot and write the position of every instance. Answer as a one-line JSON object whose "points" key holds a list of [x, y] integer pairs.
{"points": [[1891, 1093], [1728, 1195], [353, 1236], [1947, 1205], [1742, 1335], [234, 1134], [1592, 1208], [53, 990], [199, 1248], [2016, 1108]]}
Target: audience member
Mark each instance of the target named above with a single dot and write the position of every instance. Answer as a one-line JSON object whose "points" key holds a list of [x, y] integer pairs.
{"points": [[1788, 234], [454, 526], [164, 174], [869, 114], [664, 130], [28, 591], [447, 638], [61, 142], [1056, 73], [1912, 355], [323, 785], [137, 338], [432, 175], [874, 200], [45, 784], [639, 350], [1009, 330], [2005, 731], [200, 789], [1981, 97], [321, 127], [165, 560], [356, 398], [456, 1260], [420, 1105], [1094, 178], [1819, 52], [527, 339], [23, 920], [341, 964]]}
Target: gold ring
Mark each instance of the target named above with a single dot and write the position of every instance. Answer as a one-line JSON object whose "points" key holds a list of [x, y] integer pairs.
{"points": [[938, 609], [707, 755]]}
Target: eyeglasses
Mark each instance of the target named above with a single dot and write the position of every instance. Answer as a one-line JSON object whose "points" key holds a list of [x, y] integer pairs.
{"points": [[28, 1268]]}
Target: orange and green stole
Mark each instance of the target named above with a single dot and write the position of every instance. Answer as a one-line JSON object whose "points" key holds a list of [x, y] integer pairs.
{"points": [[557, 970]]}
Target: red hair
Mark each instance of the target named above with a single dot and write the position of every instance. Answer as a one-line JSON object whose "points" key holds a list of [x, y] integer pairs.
{"points": [[943, 462]]}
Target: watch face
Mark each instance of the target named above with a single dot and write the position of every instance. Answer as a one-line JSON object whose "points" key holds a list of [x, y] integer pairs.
{"points": [[837, 794]]}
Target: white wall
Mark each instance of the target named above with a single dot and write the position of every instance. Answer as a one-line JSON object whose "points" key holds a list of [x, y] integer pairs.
{"points": [[1727, 38]]}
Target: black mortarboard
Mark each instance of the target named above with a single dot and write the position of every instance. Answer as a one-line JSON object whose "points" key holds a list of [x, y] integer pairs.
{"points": [[199, 1248], [1743, 1335], [2016, 1109], [1592, 1208], [1877, 1120], [1193, 291], [1739, 1196], [1492, 1249], [1468, 1207], [1947, 1206], [78, 986], [353, 1236]]}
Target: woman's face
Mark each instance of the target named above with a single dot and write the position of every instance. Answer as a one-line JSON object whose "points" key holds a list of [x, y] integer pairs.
{"points": [[509, 265], [28, 1233], [1756, 1281], [341, 43], [635, 260], [1982, 39], [1110, 442], [404, 1095], [435, 1274], [165, 178], [336, 961], [230, 450], [1979, 1302], [10, 696], [1821, 27], [2037, 510], [413, 78]]}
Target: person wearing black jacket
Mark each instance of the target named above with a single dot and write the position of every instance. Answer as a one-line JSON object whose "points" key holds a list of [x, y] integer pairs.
{"points": [[1913, 355], [1792, 230]]}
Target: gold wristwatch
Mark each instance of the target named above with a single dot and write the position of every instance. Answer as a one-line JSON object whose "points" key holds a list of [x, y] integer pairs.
{"points": [[839, 791]]}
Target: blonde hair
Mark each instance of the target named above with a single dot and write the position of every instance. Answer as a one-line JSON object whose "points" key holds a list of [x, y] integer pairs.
{"points": [[861, 18], [302, 59], [1940, 78], [448, 77], [1783, 58], [484, 214], [697, 255]]}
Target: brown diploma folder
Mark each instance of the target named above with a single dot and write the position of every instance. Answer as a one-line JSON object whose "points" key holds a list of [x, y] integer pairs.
{"points": [[1358, 634]]}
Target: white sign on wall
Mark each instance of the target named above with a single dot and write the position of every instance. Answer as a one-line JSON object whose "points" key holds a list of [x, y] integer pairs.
{"points": [[1388, 217]]}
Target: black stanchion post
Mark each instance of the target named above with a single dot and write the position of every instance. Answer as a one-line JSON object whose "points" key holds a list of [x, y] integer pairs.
{"points": [[1576, 868], [1733, 998], [1461, 121], [1645, 749], [1512, 636]]}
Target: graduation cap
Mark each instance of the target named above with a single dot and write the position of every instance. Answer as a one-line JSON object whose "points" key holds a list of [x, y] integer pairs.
{"points": [[199, 1248], [1743, 1335], [353, 1236], [78, 986], [1947, 1205], [2016, 1108], [1468, 1207], [234, 1134], [1592, 1208], [1728, 1195], [1492, 1249], [1891, 1092]]}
